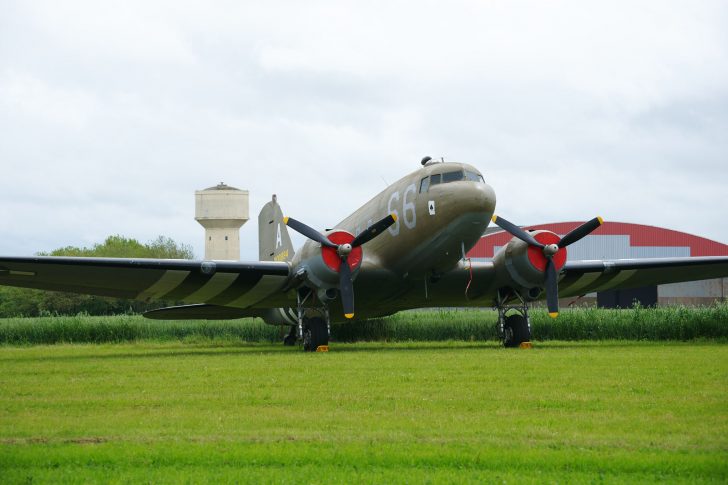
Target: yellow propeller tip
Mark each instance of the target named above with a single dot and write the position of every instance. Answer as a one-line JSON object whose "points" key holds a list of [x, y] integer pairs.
{"points": [[553, 314], [349, 315], [494, 218], [394, 216], [601, 221], [285, 220]]}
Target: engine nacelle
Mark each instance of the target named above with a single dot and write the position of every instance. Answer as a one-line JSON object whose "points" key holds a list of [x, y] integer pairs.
{"points": [[319, 265], [280, 316], [526, 265]]}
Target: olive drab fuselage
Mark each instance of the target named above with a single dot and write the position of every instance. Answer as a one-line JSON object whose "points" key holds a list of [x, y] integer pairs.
{"points": [[436, 224]]}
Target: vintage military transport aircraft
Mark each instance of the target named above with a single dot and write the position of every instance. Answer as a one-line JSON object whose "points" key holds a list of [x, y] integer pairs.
{"points": [[404, 249]]}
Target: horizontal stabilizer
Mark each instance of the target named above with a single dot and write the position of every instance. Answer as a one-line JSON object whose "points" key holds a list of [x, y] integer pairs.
{"points": [[199, 312]]}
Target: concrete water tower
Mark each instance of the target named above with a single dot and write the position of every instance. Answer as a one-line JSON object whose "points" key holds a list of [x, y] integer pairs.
{"points": [[222, 210]]}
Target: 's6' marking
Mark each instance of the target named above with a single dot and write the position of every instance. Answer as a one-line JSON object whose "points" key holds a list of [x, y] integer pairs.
{"points": [[408, 209]]}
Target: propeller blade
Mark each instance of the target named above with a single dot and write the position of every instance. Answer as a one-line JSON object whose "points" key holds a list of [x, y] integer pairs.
{"points": [[552, 289], [346, 288], [308, 231], [374, 230], [580, 232], [516, 231]]}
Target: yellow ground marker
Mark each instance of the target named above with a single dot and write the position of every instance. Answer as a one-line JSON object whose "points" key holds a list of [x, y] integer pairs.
{"points": [[322, 348], [525, 345]]}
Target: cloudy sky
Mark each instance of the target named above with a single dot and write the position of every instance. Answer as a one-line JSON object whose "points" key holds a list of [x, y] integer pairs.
{"points": [[113, 113]]}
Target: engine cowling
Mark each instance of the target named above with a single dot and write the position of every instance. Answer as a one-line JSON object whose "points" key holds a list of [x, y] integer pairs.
{"points": [[321, 264], [526, 265]]}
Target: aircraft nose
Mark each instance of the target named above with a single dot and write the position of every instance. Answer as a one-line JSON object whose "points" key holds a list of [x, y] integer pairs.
{"points": [[480, 198]]}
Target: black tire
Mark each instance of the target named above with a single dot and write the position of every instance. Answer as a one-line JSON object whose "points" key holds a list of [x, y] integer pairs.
{"points": [[515, 330], [290, 339], [315, 334]]}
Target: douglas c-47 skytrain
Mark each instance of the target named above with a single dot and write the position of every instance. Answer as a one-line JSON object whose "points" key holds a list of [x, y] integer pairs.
{"points": [[403, 249]]}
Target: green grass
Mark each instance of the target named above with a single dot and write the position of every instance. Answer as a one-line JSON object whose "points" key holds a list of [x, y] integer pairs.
{"points": [[447, 412], [670, 323]]}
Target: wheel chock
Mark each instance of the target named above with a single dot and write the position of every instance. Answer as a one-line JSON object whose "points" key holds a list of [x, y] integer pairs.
{"points": [[525, 345], [322, 348]]}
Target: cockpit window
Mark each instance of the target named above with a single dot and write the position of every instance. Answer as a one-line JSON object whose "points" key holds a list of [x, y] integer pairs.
{"points": [[452, 176], [448, 177], [424, 184], [473, 177]]}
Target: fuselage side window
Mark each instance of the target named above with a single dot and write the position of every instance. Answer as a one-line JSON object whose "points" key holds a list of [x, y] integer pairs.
{"points": [[435, 179], [452, 176], [424, 184]]}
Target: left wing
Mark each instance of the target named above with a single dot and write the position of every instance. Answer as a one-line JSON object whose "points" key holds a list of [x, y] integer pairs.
{"points": [[222, 283]]}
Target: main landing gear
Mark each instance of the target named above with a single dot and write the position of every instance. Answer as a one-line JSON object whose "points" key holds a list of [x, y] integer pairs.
{"points": [[514, 328], [313, 327]]}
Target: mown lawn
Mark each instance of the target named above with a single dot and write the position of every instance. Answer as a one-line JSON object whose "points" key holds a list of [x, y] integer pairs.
{"points": [[407, 412]]}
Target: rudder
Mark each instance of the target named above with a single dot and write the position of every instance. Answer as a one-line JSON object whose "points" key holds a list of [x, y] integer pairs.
{"points": [[274, 243]]}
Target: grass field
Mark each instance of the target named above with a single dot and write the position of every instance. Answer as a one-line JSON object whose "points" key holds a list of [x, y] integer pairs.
{"points": [[405, 413], [668, 323]]}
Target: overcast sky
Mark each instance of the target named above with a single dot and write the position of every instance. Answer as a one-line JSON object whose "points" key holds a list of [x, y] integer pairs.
{"points": [[113, 113]]}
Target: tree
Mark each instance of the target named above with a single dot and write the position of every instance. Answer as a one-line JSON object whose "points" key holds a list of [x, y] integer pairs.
{"points": [[31, 303], [122, 247]]}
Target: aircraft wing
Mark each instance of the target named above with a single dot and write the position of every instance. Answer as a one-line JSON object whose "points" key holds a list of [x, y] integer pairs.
{"points": [[223, 283], [581, 277]]}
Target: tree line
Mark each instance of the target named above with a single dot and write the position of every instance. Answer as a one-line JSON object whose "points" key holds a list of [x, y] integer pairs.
{"points": [[17, 302]]}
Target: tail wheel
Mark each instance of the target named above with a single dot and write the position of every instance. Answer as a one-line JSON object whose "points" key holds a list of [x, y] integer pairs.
{"points": [[315, 334], [516, 330]]}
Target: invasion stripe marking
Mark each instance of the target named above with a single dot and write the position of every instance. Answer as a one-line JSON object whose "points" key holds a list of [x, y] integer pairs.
{"points": [[288, 315], [219, 283], [194, 281], [268, 285], [584, 281], [168, 281], [243, 283], [619, 278]]}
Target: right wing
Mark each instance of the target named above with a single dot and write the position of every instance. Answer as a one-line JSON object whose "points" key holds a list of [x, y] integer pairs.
{"points": [[221, 283], [477, 284], [582, 277]]}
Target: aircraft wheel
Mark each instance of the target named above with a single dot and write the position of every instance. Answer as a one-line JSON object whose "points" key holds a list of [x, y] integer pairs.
{"points": [[515, 330], [315, 334], [291, 338]]}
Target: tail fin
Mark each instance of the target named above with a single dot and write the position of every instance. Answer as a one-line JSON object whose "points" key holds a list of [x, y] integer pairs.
{"points": [[274, 243]]}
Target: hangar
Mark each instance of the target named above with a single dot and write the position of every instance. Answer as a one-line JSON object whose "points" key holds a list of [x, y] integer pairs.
{"points": [[622, 240]]}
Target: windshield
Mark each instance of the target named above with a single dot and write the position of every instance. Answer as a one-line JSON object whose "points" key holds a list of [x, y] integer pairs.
{"points": [[447, 177]]}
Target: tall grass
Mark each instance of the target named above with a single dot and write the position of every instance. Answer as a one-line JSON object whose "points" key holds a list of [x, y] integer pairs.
{"points": [[669, 323], [127, 328]]}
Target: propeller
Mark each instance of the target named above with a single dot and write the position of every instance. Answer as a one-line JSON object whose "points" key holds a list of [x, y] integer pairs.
{"points": [[346, 284], [549, 251]]}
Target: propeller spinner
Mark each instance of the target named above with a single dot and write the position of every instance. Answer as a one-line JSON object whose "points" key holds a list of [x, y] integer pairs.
{"points": [[343, 250], [550, 251]]}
